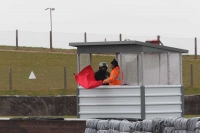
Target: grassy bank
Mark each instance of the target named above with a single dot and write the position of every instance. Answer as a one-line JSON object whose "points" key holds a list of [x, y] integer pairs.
{"points": [[48, 68]]}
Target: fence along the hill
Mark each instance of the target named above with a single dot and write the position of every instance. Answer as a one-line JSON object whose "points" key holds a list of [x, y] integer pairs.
{"points": [[61, 40]]}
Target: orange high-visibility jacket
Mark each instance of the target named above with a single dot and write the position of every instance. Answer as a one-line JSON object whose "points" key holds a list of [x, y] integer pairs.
{"points": [[114, 77]]}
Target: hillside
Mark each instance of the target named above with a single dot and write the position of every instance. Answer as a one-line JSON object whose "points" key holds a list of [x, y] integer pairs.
{"points": [[48, 69]]}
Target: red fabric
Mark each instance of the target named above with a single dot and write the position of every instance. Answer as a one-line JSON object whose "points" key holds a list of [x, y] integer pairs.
{"points": [[86, 79], [154, 41]]}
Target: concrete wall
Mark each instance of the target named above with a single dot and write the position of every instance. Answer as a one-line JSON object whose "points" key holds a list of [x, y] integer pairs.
{"points": [[192, 104], [37, 106], [63, 105]]}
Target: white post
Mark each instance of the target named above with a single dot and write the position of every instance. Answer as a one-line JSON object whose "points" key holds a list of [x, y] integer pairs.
{"points": [[159, 68], [180, 64], [168, 68], [142, 65], [120, 56], [138, 81]]}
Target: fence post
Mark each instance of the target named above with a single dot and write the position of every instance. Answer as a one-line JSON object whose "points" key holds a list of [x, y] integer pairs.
{"points": [[195, 41], [65, 78], [191, 73], [85, 37], [120, 37], [51, 40], [158, 38], [16, 39], [10, 78], [160, 42]]}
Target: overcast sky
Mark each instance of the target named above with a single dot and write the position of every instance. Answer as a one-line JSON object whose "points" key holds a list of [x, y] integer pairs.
{"points": [[169, 18]]}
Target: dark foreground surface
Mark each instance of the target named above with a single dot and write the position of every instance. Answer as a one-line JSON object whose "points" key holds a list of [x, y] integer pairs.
{"points": [[63, 105], [47, 125]]}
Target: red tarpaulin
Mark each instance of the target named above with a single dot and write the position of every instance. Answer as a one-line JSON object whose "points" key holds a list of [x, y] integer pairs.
{"points": [[86, 79]]}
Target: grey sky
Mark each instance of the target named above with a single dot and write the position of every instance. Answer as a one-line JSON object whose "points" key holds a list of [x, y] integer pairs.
{"points": [[169, 18]]}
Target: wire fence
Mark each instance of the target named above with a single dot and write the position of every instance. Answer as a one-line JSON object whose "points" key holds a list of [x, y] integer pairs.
{"points": [[54, 77], [62, 40], [23, 78], [41, 71]]}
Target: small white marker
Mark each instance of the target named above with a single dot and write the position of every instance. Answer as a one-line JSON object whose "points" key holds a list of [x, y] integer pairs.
{"points": [[32, 75]]}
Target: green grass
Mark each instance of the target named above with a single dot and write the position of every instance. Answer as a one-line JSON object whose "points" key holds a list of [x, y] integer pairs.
{"points": [[48, 67], [38, 49], [187, 61], [191, 116]]}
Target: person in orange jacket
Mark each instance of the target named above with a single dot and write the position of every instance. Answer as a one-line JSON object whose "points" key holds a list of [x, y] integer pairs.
{"points": [[114, 78]]}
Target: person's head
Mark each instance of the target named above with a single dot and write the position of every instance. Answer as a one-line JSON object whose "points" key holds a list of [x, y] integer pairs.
{"points": [[113, 63], [103, 66]]}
